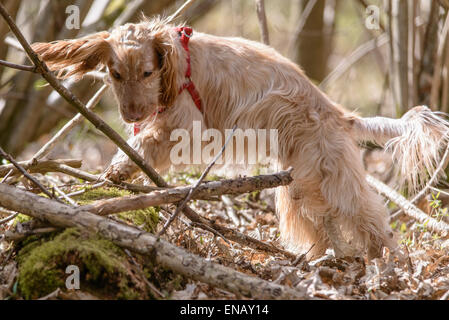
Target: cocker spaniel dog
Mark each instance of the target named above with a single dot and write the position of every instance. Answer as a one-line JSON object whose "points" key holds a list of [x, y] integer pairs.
{"points": [[165, 78]]}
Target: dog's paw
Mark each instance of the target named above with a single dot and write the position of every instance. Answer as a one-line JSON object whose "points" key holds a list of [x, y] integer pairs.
{"points": [[116, 173]]}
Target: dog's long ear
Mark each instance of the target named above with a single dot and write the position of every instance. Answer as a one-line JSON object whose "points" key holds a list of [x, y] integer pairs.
{"points": [[77, 56], [168, 66]]}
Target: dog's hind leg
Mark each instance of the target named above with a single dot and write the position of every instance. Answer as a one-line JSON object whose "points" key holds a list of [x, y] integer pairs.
{"points": [[353, 206], [339, 244]]}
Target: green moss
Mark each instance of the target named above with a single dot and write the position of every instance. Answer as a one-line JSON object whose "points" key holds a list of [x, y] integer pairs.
{"points": [[104, 269], [147, 218], [21, 218], [189, 177], [100, 193]]}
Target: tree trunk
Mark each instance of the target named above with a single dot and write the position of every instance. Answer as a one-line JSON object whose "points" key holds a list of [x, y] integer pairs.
{"points": [[315, 40]]}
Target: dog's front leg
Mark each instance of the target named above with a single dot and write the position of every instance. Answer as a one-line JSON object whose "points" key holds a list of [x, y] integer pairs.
{"points": [[153, 145], [122, 167]]}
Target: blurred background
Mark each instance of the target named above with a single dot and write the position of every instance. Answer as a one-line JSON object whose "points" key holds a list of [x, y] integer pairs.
{"points": [[378, 57]]}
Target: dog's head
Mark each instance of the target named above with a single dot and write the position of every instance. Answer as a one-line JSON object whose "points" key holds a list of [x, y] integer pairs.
{"points": [[141, 61]]}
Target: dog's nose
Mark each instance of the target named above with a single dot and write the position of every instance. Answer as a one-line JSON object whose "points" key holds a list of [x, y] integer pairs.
{"points": [[132, 112], [133, 117]]}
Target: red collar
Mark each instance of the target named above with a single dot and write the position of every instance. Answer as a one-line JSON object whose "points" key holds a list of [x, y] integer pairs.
{"points": [[185, 34]]}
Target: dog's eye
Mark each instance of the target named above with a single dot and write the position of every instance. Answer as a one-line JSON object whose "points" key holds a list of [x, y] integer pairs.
{"points": [[116, 75], [146, 74]]}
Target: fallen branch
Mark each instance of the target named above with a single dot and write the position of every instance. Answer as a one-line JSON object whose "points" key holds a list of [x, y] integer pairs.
{"points": [[41, 166], [17, 236], [409, 208], [168, 255], [204, 190], [80, 174]]}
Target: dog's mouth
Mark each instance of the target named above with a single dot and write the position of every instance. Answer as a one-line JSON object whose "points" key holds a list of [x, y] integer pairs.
{"points": [[135, 119]]}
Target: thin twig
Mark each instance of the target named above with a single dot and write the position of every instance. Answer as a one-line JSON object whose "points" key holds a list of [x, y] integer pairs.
{"points": [[355, 56], [80, 174], [62, 193], [409, 208], [8, 218], [7, 175], [18, 236], [155, 291], [18, 66], [52, 295], [94, 186], [25, 173], [181, 10], [61, 134], [302, 22], [212, 230], [197, 184], [177, 195], [41, 166], [262, 17]]}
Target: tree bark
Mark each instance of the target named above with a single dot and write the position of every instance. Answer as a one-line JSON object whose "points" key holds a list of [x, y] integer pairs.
{"points": [[43, 166], [205, 190]]}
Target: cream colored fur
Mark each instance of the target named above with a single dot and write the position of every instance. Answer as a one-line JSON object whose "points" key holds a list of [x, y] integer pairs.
{"points": [[242, 82]]}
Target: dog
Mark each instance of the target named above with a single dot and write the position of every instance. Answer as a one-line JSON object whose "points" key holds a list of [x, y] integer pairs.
{"points": [[234, 81]]}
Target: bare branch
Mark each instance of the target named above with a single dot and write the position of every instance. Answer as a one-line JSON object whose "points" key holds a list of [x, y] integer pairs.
{"points": [[17, 66], [409, 208], [260, 8], [204, 190], [181, 10], [302, 22], [40, 166], [25, 173], [355, 56], [61, 134]]}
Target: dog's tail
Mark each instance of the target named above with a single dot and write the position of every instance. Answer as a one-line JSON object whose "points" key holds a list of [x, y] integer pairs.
{"points": [[416, 141]]}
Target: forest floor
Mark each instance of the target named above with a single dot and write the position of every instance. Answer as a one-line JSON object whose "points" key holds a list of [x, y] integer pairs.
{"points": [[35, 267]]}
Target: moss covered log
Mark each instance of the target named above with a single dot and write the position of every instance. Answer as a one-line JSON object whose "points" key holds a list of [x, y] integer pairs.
{"points": [[104, 268]]}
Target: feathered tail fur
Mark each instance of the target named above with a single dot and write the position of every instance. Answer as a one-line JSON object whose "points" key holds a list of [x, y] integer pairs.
{"points": [[415, 140]]}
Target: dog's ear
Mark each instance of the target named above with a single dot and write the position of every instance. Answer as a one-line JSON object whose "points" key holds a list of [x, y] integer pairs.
{"points": [[165, 50], [76, 56]]}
